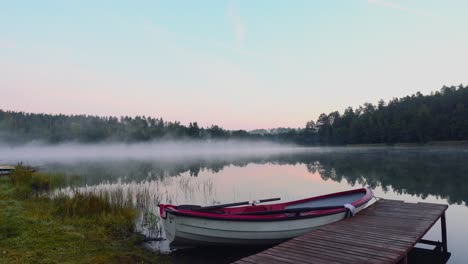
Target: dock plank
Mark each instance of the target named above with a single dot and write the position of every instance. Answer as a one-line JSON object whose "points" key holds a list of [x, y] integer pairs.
{"points": [[397, 241], [360, 247], [347, 249], [298, 255], [382, 233], [343, 257]]}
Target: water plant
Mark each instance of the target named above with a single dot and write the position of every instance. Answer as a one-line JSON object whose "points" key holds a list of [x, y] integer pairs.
{"points": [[36, 226], [151, 224]]}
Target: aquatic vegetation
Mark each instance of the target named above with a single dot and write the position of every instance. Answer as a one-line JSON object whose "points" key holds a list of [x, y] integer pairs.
{"points": [[77, 228], [126, 200], [151, 224], [91, 205]]}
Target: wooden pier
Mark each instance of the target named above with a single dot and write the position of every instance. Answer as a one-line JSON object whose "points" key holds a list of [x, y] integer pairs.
{"points": [[385, 232]]}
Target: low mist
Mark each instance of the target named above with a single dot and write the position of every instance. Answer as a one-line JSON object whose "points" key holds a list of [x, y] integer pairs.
{"points": [[158, 151], [180, 151]]}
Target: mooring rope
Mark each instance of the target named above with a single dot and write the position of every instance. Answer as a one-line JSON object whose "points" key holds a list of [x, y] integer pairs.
{"points": [[350, 210], [378, 198]]}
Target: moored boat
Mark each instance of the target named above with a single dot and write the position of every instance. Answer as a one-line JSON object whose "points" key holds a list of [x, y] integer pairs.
{"points": [[6, 169], [192, 225]]}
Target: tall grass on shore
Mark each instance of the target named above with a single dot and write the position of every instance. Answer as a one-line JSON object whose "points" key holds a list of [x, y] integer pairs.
{"points": [[132, 211], [37, 227], [145, 197], [91, 205], [108, 206], [127, 199]]}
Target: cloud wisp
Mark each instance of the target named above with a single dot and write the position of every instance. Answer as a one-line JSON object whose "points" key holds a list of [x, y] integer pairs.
{"points": [[390, 5], [238, 27]]}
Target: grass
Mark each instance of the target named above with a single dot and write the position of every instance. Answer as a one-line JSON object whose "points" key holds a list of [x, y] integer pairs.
{"points": [[84, 228]]}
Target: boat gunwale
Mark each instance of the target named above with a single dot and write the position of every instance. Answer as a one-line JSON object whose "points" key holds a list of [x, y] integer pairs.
{"points": [[368, 195]]}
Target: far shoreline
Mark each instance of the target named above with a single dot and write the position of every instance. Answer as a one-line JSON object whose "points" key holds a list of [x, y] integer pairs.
{"points": [[451, 143]]}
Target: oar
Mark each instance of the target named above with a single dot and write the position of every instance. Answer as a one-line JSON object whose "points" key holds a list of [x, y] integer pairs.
{"points": [[293, 210], [233, 204]]}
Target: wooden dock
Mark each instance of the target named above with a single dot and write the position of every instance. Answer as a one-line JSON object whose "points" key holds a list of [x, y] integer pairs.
{"points": [[385, 232]]}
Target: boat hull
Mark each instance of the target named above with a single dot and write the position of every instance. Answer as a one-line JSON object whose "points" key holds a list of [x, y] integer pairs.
{"points": [[184, 231]]}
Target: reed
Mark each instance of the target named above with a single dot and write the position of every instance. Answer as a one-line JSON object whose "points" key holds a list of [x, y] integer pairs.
{"points": [[92, 205], [74, 228], [120, 200]]}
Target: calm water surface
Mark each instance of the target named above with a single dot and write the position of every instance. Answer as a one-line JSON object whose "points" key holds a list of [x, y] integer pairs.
{"points": [[410, 174]]}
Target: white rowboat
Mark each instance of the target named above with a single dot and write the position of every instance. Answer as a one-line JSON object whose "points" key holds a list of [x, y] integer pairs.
{"points": [[268, 224]]}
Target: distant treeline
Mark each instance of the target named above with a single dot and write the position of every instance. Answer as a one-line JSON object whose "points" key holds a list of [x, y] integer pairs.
{"points": [[418, 118], [20, 126]]}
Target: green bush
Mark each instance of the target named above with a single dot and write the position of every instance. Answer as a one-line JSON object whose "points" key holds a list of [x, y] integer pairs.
{"points": [[40, 183], [21, 175], [21, 179], [27, 182]]}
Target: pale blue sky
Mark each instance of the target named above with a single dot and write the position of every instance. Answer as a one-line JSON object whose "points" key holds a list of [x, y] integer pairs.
{"points": [[239, 64]]}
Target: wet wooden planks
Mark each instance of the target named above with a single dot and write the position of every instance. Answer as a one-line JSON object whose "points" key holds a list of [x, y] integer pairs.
{"points": [[382, 233]]}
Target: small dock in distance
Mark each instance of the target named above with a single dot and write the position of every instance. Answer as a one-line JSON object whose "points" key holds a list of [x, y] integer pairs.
{"points": [[6, 169], [385, 232]]}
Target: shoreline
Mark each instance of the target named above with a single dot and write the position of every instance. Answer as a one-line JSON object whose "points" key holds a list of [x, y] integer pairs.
{"points": [[37, 228], [455, 144]]}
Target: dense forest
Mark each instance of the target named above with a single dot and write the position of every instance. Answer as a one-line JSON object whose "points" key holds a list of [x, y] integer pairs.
{"points": [[19, 126], [440, 116]]}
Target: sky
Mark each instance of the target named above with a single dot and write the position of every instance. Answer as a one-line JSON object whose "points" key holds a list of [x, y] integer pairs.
{"points": [[238, 64]]}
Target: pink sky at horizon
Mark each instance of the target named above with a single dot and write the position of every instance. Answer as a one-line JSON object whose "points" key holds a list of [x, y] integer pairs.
{"points": [[236, 64], [73, 90]]}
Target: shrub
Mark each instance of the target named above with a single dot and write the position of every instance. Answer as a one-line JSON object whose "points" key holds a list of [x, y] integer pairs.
{"points": [[21, 175], [21, 179], [40, 183], [27, 182], [95, 207]]}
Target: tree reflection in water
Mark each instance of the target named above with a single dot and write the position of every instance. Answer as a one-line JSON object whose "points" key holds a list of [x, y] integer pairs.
{"points": [[416, 171]]}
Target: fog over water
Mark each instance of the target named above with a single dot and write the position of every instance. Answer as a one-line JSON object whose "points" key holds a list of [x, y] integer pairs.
{"points": [[169, 151], [157, 151]]}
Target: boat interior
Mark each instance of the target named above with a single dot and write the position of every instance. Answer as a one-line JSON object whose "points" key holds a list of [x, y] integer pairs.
{"points": [[319, 203]]}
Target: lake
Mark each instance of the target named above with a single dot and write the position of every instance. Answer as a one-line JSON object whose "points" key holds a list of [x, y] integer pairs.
{"points": [[438, 175]]}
